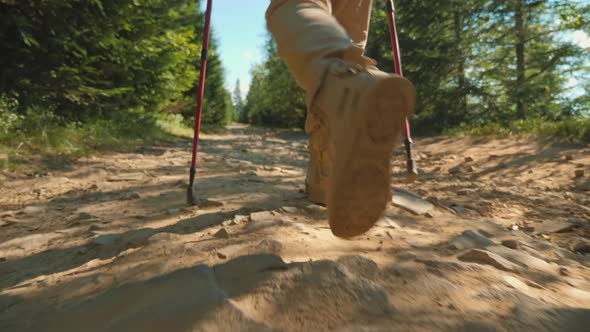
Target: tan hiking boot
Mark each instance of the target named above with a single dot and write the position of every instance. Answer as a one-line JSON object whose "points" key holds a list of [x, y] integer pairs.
{"points": [[365, 112], [363, 109], [316, 181]]}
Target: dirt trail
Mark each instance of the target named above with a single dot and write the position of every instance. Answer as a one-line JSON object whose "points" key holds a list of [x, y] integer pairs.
{"points": [[108, 242]]}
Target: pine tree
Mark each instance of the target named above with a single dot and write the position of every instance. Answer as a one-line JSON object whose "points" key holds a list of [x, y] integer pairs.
{"points": [[523, 60], [85, 59], [238, 101], [274, 98]]}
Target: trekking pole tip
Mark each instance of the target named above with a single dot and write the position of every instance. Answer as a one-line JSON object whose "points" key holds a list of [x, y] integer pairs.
{"points": [[191, 192], [412, 175], [191, 196]]}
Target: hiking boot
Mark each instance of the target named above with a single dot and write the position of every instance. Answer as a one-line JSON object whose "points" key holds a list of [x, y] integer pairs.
{"points": [[316, 181], [365, 111], [362, 111]]}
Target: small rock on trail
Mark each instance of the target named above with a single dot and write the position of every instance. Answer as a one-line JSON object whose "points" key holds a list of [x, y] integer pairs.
{"points": [[583, 247], [267, 246], [316, 211], [512, 244], [221, 234], [487, 258], [173, 212], [412, 203], [515, 283], [290, 209], [525, 259], [470, 239], [262, 216], [551, 226], [32, 210]]}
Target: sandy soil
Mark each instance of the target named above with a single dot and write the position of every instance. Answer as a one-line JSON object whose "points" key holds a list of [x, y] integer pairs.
{"points": [[108, 243]]}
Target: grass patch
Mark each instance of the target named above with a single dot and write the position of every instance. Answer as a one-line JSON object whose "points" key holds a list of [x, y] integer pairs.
{"points": [[572, 130], [42, 136]]}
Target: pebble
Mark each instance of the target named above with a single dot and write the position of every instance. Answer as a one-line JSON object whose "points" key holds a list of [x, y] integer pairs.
{"points": [[551, 226], [229, 223], [239, 219], [525, 259], [93, 228], [564, 271], [172, 211], [515, 283], [316, 211], [290, 209], [221, 234], [579, 173], [470, 239], [468, 159], [262, 216], [512, 244], [33, 210], [412, 203], [488, 258], [466, 192], [454, 170], [583, 247]]}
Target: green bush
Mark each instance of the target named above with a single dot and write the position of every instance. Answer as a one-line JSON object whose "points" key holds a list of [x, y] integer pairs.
{"points": [[573, 129], [8, 116]]}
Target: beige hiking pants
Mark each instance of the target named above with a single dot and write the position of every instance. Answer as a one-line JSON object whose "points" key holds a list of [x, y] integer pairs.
{"points": [[306, 30]]}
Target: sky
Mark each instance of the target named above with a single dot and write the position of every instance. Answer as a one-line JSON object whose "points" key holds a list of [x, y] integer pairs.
{"points": [[239, 28]]}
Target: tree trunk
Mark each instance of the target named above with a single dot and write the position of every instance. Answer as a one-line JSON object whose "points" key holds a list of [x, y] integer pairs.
{"points": [[461, 80], [520, 60]]}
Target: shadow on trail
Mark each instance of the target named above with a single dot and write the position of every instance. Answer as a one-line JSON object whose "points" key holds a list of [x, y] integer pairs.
{"points": [[157, 199]]}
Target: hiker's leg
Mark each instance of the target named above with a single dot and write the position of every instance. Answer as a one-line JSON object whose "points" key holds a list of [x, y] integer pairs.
{"points": [[360, 108], [354, 16]]}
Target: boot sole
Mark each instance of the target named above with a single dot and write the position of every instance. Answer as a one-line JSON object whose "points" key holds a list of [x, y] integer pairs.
{"points": [[360, 181]]}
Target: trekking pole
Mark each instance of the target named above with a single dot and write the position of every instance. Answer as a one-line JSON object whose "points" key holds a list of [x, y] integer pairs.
{"points": [[191, 195], [397, 63]]}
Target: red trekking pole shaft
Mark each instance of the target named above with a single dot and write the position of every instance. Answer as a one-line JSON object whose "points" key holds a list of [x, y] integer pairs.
{"points": [[397, 63], [201, 91]]}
